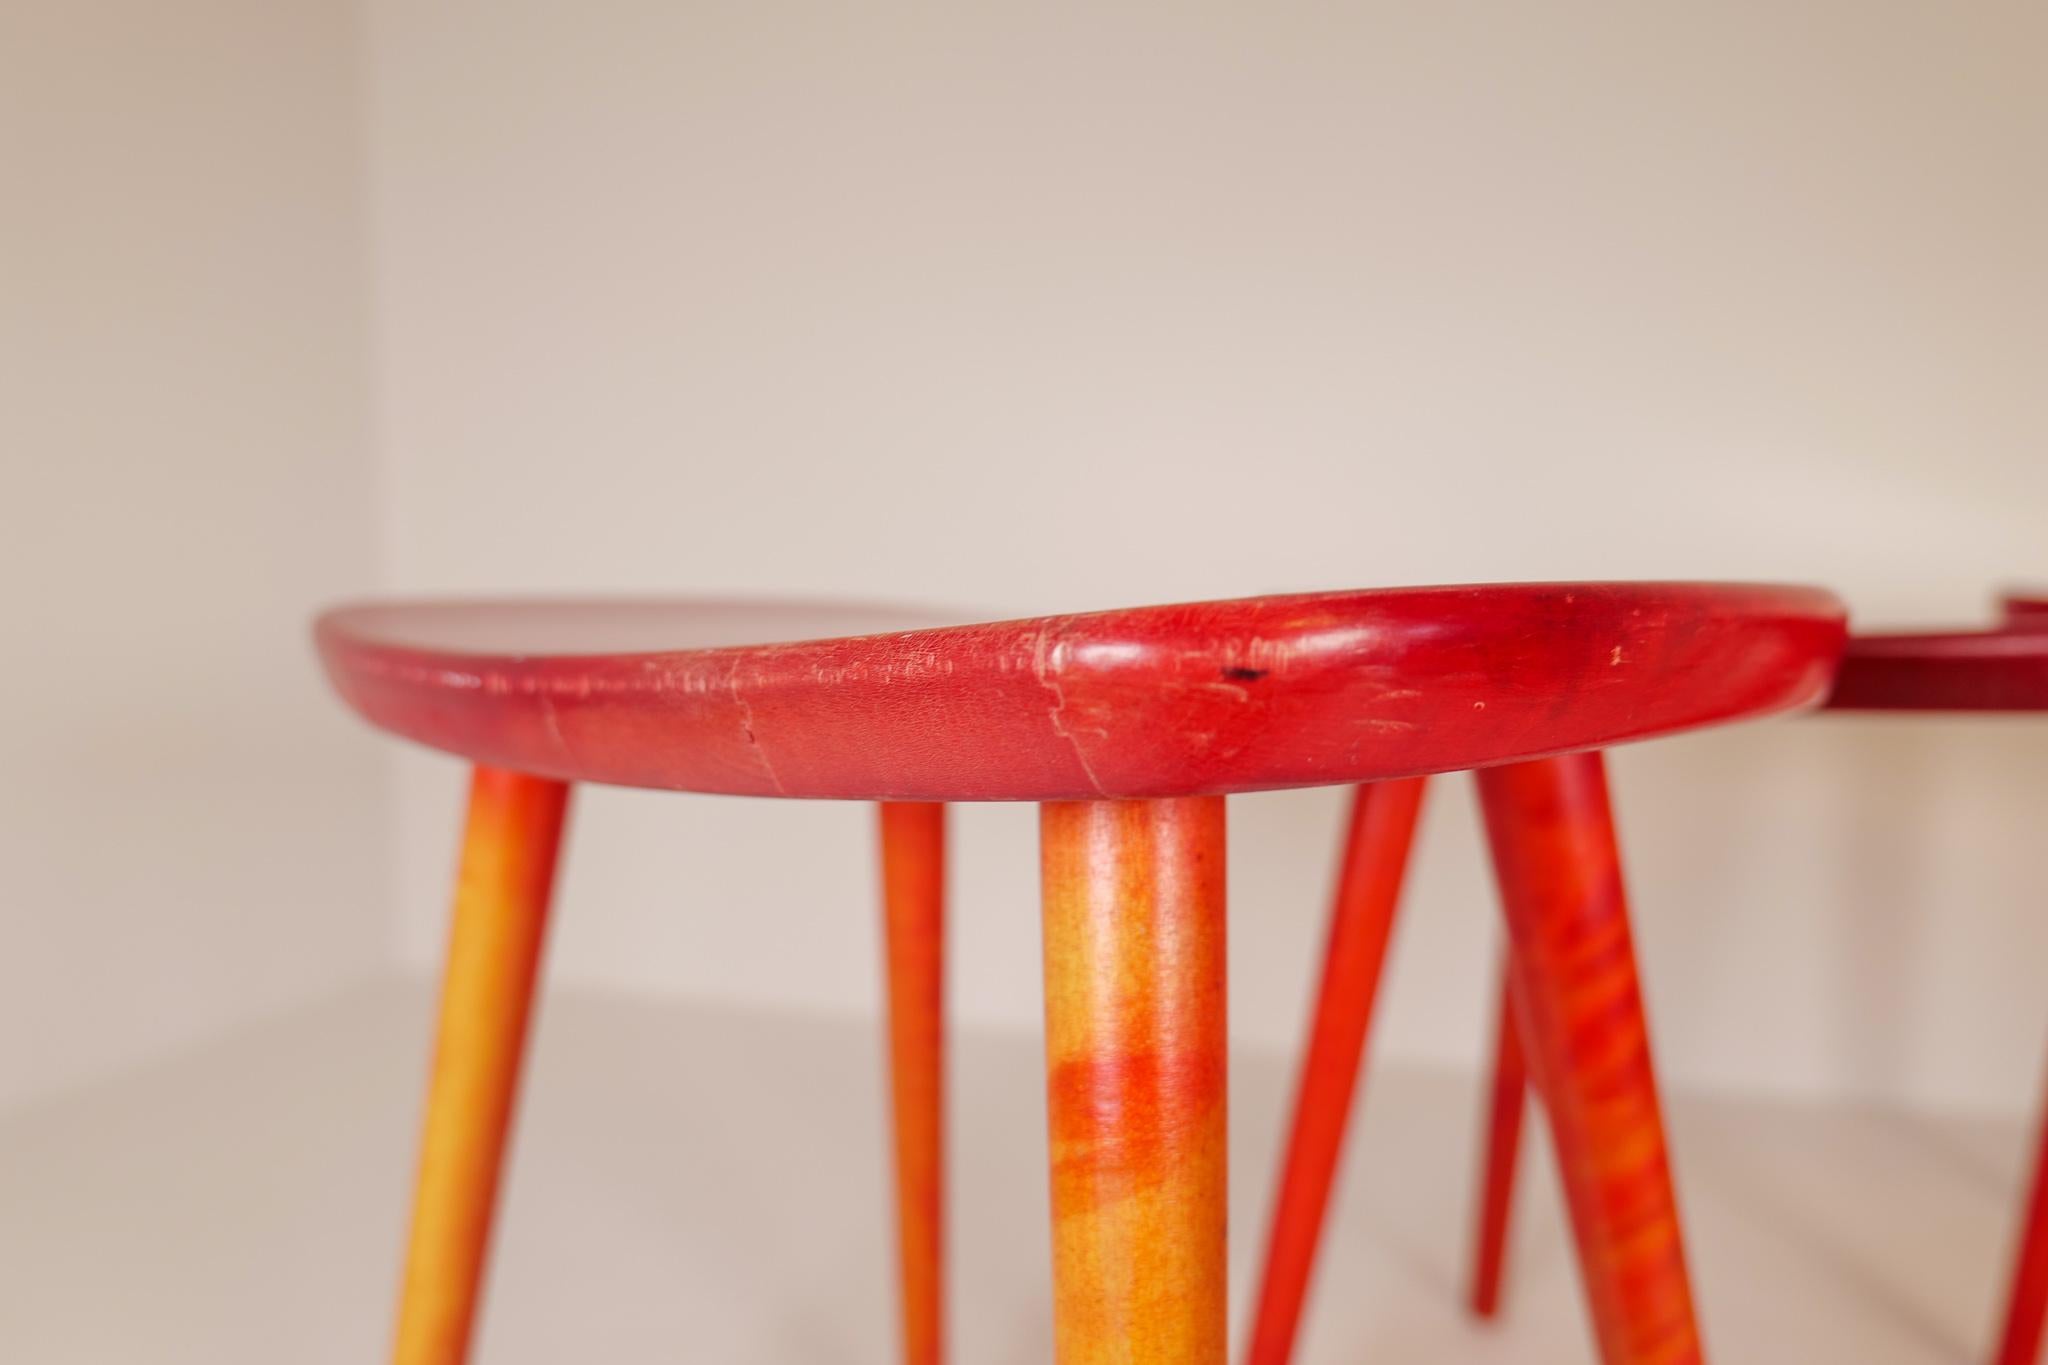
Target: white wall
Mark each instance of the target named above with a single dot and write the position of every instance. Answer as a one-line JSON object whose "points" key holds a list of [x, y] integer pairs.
{"points": [[1041, 308], [191, 835]]}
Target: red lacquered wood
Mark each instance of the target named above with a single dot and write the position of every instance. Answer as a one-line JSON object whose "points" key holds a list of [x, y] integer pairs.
{"points": [[1999, 670], [1994, 670], [1381, 828], [1503, 1145], [1582, 1019], [2027, 610], [2026, 1306], [1136, 1079], [914, 915], [1201, 698], [501, 908]]}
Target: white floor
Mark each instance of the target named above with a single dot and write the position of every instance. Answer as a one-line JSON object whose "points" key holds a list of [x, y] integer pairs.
{"points": [[709, 1186]]}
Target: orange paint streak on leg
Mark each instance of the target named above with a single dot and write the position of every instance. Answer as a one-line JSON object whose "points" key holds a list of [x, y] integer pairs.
{"points": [[501, 908], [914, 916], [1503, 1145], [1582, 1020], [2027, 1307], [1136, 1078], [1382, 828]]}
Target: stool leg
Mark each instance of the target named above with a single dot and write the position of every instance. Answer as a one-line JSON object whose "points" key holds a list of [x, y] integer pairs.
{"points": [[914, 916], [2020, 1343], [1503, 1146], [501, 908], [1135, 1060], [1368, 888], [1582, 1020]]}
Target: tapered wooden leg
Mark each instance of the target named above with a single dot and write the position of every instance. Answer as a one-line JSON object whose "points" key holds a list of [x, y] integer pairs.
{"points": [[1582, 1021], [2027, 1306], [1134, 1009], [914, 914], [1382, 827], [1503, 1144], [501, 907]]}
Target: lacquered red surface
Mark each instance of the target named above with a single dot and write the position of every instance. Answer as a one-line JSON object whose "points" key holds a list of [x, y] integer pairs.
{"points": [[1502, 1146], [2027, 608], [1137, 1079], [1580, 1010], [1986, 670], [1180, 700], [2005, 669], [914, 939], [1573, 991], [1381, 829], [509, 852], [2026, 1306]]}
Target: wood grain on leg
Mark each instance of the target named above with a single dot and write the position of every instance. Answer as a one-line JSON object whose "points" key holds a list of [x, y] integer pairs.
{"points": [[914, 910], [1582, 1021], [1382, 827], [501, 908], [2027, 1301], [1134, 982], [1503, 1140]]}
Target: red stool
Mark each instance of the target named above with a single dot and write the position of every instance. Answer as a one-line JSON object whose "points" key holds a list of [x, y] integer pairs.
{"points": [[1128, 728], [2025, 610], [2000, 670]]}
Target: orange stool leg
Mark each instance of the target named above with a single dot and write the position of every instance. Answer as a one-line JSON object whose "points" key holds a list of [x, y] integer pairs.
{"points": [[1382, 827], [501, 907], [1582, 1020], [914, 917], [2020, 1343], [1503, 1146], [1136, 1079]]}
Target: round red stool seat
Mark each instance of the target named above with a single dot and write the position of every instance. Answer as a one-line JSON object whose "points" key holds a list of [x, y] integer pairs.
{"points": [[813, 700]]}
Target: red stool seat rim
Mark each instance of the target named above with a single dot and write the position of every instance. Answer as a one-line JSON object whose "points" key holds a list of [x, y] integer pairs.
{"points": [[1975, 670], [805, 699]]}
